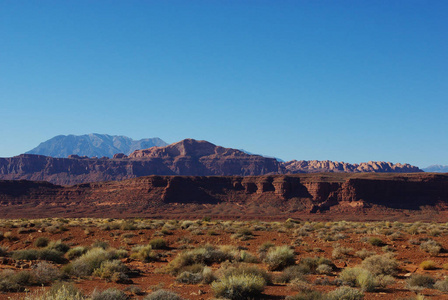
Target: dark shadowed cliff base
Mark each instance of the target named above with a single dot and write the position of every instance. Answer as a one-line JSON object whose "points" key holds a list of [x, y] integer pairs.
{"points": [[322, 196]]}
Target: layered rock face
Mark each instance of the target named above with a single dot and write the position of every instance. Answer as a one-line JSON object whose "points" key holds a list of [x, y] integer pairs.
{"points": [[276, 196], [187, 157], [316, 166]]}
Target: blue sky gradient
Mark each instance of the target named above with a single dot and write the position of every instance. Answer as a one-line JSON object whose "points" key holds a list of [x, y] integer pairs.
{"points": [[347, 81]]}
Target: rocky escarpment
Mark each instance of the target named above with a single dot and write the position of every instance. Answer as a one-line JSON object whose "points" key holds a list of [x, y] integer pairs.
{"points": [[274, 196], [187, 157], [317, 166]]}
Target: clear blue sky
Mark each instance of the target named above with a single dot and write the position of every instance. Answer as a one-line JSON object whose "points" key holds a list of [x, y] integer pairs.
{"points": [[347, 81]]}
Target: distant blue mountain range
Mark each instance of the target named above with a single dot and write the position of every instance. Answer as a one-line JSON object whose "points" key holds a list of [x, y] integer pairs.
{"points": [[93, 144], [436, 168]]}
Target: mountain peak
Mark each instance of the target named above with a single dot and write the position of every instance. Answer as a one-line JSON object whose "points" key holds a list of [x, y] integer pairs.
{"points": [[93, 144]]}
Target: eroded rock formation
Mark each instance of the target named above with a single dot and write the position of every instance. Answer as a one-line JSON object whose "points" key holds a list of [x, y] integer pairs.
{"points": [[229, 196], [187, 157]]}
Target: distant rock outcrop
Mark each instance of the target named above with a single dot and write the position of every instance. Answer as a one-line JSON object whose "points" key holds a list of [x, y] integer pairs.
{"points": [[347, 196], [93, 145], [316, 166], [436, 168], [187, 157]]}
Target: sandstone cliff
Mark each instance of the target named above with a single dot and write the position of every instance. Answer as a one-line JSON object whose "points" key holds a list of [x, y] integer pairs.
{"points": [[316, 166], [349, 196]]}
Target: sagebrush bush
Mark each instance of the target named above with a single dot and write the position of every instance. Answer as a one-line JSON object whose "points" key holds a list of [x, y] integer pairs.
{"points": [[290, 273], [307, 295], [432, 247], [41, 242], [239, 286], [3, 251], [158, 244], [109, 294], [420, 281], [442, 285], [380, 264], [243, 268], [345, 293], [112, 270], [279, 258], [60, 291], [428, 265], [376, 241], [46, 273], [58, 246], [205, 255], [145, 254], [163, 295], [88, 262], [76, 252]]}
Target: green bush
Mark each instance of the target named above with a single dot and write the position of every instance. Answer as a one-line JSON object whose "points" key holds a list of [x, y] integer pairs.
{"points": [[3, 251], [58, 246], [112, 270], [380, 264], [376, 241], [205, 255], [442, 285], [428, 265], [28, 254], [420, 281], [345, 293], [158, 244], [239, 286], [59, 291], [242, 268], [163, 295], [109, 294], [76, 252], [88, 262], [432, 247], [41, 242], [290, 273], [307, 295], [279, 258], [145, 254]]}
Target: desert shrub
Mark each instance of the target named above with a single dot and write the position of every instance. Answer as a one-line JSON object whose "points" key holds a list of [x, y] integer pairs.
{"points": [[11, 281], [279, 258], [135, 290], [205, 255], [109, 294], [28, 254], [358, 277], [87, 263], [41, 242], [345, 293], [290, 273], [163, 295], [58, 246], [242, 234], [239, 286], [100, 244], [442, 285], [340, 252], [307, 295], [263, 249], [310, 264], [145, 254], [46, 273], [242, 268], [112, 270], [417, 281], [59, 291], [300, 285], [3, 251], [376, 241], [324, 269], [364, 253], [431, 246], [380, 264], [51, 255], [158, 244], [76, 252], [189, 277], [428, 265]]}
